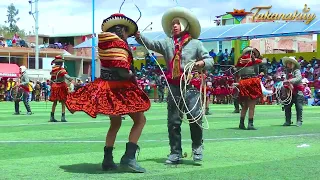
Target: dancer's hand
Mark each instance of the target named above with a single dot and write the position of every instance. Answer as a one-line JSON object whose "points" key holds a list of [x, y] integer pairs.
{"points": [[199, 65], [245, 61], [137, 35]]}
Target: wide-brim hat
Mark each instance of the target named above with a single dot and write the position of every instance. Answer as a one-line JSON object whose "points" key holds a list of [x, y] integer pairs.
{"points": [[251, 49], [180, 12], [292, 59], [120, 19]]}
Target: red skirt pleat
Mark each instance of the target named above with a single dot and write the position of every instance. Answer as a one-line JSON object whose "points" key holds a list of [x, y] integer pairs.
{"points": [[109, 98], [59, 92]]}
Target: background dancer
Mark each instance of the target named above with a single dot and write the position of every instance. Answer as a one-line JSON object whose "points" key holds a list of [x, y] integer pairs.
{"points": [[249, 84], [181, 48], [236, 92], [294, 78], [59, 88], [116, 92], [22, 89]]}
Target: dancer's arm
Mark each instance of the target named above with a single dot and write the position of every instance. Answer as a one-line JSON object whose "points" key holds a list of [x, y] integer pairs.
{"points": [[157, 46], [25, 80], [297, 77], [202, 54], [68, 77]]}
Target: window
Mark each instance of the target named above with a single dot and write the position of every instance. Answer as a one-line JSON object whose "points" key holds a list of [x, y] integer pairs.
{"points": [[4, 60], [220, 45], [32, 62], [16, 60]]}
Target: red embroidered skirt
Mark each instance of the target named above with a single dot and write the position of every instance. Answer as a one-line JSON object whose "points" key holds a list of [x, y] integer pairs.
{"points": [[59, 92], [250, 88], [109, 98]]}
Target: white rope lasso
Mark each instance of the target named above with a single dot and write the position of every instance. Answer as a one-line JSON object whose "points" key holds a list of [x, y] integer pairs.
{"points": [[288, 100], [187, 69]]}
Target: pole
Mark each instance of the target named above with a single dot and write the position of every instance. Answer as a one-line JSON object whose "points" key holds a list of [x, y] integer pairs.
{"points": [[93, 58], [37, 35]]}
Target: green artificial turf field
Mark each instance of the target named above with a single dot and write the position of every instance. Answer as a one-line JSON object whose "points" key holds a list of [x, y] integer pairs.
{"points": [[32, 148]]}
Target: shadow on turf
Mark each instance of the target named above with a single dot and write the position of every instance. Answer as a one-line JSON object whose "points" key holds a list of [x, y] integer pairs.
{"points": [[163, 160], [87, 168]]}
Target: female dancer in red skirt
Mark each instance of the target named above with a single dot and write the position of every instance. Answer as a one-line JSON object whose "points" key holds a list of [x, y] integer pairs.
{"points": [[59, 89], [249, 84], [116, 92]]}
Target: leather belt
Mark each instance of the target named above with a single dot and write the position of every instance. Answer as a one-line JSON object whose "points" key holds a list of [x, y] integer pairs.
{"points": [[111, 75], [248, 76]]}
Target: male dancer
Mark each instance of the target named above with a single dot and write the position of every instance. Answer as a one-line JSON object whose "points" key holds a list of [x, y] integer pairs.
{"points": [[182, 47], [59, 89], [294, 78], [236, 93], [24, 88], [161, 84]]}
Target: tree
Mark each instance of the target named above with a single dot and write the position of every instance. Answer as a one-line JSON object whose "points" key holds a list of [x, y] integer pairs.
{"points": [[12, 13], [11, 24]]}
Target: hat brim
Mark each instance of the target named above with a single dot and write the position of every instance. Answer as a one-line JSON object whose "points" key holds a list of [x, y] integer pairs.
{"points": [[254, 51], [194, 24], [120, 20], [285, 60], [58, 60]]}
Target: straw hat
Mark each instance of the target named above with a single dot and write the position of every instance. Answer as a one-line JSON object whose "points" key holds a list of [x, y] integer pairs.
{"points": [[180, 12], [120, 19], [251, 49], [23, 69], [291, 59]]}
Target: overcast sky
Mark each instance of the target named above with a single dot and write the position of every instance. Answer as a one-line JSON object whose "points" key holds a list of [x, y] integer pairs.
{"points": [[75, 16]]}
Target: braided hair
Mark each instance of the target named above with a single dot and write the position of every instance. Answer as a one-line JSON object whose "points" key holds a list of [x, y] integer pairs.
{"points": [[118, 30]]}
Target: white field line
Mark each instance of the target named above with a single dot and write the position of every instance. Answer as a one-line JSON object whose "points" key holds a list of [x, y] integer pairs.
{"points": [[158, 140]]}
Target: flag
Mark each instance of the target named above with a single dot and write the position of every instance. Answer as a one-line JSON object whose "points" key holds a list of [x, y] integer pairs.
{"points": [[84, 38]]}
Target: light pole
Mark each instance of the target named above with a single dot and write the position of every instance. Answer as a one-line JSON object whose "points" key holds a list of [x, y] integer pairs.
{"points": [[35, 15], [93, 58]]}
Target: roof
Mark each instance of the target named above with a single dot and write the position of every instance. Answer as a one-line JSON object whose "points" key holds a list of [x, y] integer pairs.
{"points": [[86, 44], [31, 50], [247, 31], [69, 35], [9, 70]]}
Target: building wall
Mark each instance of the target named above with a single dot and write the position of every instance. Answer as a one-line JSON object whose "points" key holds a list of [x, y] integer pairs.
{"points": [[32, 39], [306, 55], [298, 44], [84, 52]]}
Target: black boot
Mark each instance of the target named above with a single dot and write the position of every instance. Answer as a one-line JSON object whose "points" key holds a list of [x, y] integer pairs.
{"points": [[63, 117], [236, 106], [207, 111], [250, 124], [108, 163], [52, 119], [128, 161], [16, 108], [287, 110], [241, 125], [299, 109]]}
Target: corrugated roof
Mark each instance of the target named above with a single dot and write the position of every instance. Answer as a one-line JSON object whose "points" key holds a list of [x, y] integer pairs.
{"points": [[247, 31], [239, 31], [69, 35]]}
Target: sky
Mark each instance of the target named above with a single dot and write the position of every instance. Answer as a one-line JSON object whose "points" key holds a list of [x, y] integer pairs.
{"points": [[75, 16]]}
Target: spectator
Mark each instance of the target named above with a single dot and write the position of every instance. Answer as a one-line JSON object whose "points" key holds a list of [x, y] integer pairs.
{"points": [[316, 101], [307, 92]]}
